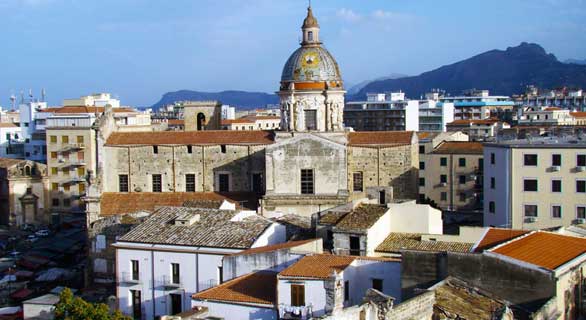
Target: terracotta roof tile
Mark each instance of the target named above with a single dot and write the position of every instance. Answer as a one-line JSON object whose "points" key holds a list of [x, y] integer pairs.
{"points": [[578, 114], [552, 109], [543, 249], [274, 247], [176, 122], [396, 242], [319, 266], [259, 288], [191, 138], [362, 217], [236, 121], [496, 236], [8, 125], [212, 228], [380, 138], [459, 147], [116, 203]]}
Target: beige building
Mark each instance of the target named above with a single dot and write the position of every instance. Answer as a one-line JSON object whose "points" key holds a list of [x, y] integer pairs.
{"points": [[23, 192], [202, 115], [252, 123], [451, 176], [535, 184], [479, 129], [549, 116]]}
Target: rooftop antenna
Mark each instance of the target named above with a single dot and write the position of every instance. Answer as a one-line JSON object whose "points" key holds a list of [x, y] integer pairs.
{"points": [[21, 96], [30, 94], [13, 101], [43, 95]]}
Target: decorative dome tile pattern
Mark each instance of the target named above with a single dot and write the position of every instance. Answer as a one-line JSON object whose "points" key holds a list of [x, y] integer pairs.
{"points": [[311, 63]]}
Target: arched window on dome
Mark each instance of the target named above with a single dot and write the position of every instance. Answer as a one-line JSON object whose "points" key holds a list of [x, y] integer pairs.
{"points": [[310, 35]]}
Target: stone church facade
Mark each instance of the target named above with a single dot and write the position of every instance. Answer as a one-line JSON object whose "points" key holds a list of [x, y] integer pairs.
{"points": [[311, 164]]}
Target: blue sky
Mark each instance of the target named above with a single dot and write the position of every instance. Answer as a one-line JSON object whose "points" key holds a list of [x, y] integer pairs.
{"points": [[139, 49]]}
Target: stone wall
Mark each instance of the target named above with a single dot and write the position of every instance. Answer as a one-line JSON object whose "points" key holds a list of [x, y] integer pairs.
{"points": [[416, 308]]}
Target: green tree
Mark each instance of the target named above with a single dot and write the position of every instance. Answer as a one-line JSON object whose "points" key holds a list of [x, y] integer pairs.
{"points": [[75, 308]]}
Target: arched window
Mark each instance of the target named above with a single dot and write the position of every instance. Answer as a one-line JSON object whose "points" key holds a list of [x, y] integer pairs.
{"points": [[310, 35], [201, 121], [27, 171]]}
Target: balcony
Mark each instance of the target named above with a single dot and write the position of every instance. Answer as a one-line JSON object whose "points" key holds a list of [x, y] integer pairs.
{"points": [[69, 147], [293, 312], [129, 278], [169, 283], [73, 180]]}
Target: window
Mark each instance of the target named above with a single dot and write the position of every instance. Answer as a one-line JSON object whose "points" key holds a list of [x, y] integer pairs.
{"points": [[80, 172], [346, 290], [157, 183], [444, 196], [556, 211], [581, 186], [310, 35], [530, 185], [443, 178], [224, 182], [65, 139], [53, 139], [481, 164], [462, 162], [175, 273], [556, 185], [422, 182], [492, 182], [223, 148], [66, 187], [123, 183], [54, 171], [581, 160], [492, 158], [354, 246], [581, 212], [311, 119], [357, 181], [134, 269], [55, 202], [66, 171], [421, 165], [556, 159], [421, 149], [81, 188], [491, 207], [156, 149], [67, 202], [462, 179], [462, 197], [79, 139], [530, 210], [297, 295], [443, 161], [530, 160], [80, 156], [190, 182], [55, 186], [307, 181], [53, 155], [189, 149], [377, 284]]}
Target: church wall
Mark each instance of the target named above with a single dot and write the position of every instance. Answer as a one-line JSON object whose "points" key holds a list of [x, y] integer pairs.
{"points": [[394, 167]]}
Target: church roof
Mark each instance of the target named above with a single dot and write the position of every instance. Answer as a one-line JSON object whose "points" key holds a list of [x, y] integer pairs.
{"points": [[191, 138], [310, 21], [380, 138]]}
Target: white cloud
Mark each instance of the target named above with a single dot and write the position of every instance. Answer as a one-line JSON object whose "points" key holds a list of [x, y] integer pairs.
{"points": [[348, 15]]}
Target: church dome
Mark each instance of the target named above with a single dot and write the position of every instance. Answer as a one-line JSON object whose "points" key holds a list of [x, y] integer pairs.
{"points": [[311, 64]]}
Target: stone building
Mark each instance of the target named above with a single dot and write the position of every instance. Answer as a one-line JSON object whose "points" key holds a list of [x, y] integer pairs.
{"points": [[202, 115], [23, 192], [312, 163]]}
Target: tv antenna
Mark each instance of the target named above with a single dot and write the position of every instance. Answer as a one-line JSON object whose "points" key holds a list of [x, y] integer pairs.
{"points": [[13, 101], [43, 95]]}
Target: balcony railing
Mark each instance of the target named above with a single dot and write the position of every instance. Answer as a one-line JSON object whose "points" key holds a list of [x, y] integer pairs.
{"points": [[129, 278], [170, 283], [287, 311], [68, 147]]}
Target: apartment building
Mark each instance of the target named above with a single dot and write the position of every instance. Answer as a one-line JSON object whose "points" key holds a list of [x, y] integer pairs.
{"points": [[434, 115], [548, 116], [478, 130], [479, 104], [252, 122], [535, 183], [452, 176], [383, 112], [563, 98]]}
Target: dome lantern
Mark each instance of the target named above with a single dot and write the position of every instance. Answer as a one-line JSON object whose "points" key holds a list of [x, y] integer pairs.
{"points": [[310, 29]]}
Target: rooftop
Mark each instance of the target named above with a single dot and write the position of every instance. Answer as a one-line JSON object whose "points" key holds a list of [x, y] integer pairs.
{"points": [[275, 247], [319, 266], [214, 228], [85, 109], [543, 249], [472, 121], [8, 162], [387, 138], [396, 242], [496, 236], [257, 288], [362, 217], [191, 138], [8, 125], [571, 141], [115, 203], [459, 147], [578, 114]]}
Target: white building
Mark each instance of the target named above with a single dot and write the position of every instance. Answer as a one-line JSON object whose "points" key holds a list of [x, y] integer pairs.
{"points": [[479, 104], [434, 115], [549, 116], [11, 145], [93, 100], [33, 120], [228, 112], [177, 252], [535, 184], [383, 112]]}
